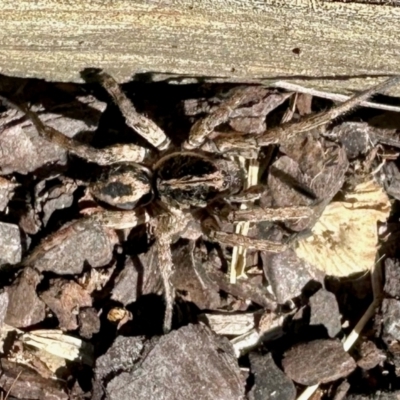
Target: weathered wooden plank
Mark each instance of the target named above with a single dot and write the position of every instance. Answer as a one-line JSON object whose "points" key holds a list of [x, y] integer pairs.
{"points": [[326, 45]]}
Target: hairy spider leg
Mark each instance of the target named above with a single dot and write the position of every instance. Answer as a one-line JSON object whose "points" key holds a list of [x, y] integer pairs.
{"points": [[109, 155], [256, 214], [145, 127], [206, 126], [259, 214], [247, 145], [166, 226]]}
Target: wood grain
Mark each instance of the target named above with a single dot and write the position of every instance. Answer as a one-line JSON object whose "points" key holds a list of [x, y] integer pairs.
{"points": [[330, 46]]}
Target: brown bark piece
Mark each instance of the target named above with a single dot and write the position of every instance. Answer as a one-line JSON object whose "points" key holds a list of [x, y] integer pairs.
{"points": [[24, 151], [304, 104], [67, 251], [30, 222], [121, 356], [318, 361], [190, 363], [312, 170], [4, 302], [391, 316], [65, 298], [6, 191], [341, 391], [288, 274], [359, 137], [59, 196], [390, 178], [370, 355], [392, 277], [393, 347], [10, 244], [89, 322], [140, 276], [242, 289], [25, 383], [187, 277], [25, 308], [269, 381], [325, 311]]}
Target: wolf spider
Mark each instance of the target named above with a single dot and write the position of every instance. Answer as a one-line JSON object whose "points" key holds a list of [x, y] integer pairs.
{"points": [[178, 185]]}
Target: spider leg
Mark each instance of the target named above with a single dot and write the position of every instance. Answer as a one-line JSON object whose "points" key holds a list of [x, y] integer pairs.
{"points": [[235, 239], [206, 126], [145, 127], [250, 194], [166, 266], [258, 214], [120, 219], [106, 156], [255, 214], [247, 145], [166, 226], [110, 219]]}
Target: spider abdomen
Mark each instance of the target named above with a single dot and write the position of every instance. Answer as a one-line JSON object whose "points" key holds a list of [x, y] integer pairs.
{"points": [[123, 186], [191, 179]]}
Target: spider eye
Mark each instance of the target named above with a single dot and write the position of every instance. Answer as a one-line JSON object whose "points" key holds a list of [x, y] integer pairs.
{"points": [[189, 179], [123, 186]]}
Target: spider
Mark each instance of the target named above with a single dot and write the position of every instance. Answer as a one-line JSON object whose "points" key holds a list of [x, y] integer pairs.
{"points": [[175, 186]]}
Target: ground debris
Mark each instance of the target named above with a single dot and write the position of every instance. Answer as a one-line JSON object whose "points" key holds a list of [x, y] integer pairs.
{"points": [[229, 324], [389, 175], [345, 238], [56, 197], [168, 371], [370, 355], [139, 277], [288, 275], [313, 171], [379, 395], [89, 322], [24, 307], [67, 251], [4, 302], [65, 298], [123, 354], [24, 151], [318, 361], [250, 117], [242, 289], [390, 317], [7, 188], [57, 343], [392, 278], [207, 158], [10, 244], [190, 277], [324, 310], [341, 391], [25, 383], [360, 137], [269, 381]]}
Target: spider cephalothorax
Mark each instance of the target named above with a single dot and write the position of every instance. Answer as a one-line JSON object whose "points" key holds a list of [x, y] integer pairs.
{"points": [[190, 179], [180, 180]]}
